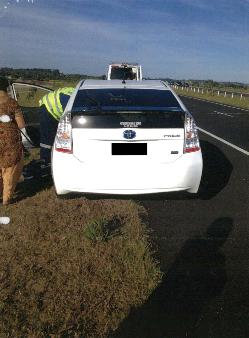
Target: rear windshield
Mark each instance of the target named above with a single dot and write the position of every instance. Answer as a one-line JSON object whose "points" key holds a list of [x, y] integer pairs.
{"points": [[104, 100], [118, 73]]}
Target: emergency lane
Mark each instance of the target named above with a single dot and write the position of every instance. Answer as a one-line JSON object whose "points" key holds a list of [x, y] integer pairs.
{"points": [[202, 246], [229, 123]]}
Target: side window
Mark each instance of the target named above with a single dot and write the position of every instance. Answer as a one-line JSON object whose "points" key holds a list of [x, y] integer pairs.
{"points": [[28, 97]]}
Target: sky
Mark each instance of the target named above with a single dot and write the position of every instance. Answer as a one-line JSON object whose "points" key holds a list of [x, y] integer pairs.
{"points": [[179, 39]]}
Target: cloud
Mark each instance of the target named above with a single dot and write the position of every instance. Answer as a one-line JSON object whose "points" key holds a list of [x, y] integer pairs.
{"points": [[86, 40]]}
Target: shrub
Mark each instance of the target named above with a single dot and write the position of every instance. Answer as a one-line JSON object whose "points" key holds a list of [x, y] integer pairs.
{"points": [[72, 268]]}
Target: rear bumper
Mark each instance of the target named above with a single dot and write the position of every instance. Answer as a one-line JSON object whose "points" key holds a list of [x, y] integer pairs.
{"points": [[126, 176]]}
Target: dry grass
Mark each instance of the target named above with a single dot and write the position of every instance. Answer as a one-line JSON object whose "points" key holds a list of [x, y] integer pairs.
{"points": [[71, 268]]}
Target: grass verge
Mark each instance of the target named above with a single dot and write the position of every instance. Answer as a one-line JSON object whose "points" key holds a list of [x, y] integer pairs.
{"points": [[236, 101], [71, 268]]}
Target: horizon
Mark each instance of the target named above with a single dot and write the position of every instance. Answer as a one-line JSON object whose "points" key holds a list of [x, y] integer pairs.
{"points": [[144, 78], [178, 39]]}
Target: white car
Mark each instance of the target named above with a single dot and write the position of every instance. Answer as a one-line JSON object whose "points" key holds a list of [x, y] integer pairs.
{"points": [[126, 137], [124, 71]]}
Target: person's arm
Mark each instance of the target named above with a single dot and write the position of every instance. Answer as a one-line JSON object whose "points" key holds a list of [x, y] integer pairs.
{"points": [[20, 120], [18, 116]]}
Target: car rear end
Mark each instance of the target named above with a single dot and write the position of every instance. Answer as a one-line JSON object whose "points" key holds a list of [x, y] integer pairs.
{"points": [[126, 141], [124, 71]]}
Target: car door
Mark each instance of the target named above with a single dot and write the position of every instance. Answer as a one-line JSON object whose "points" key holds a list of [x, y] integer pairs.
{"points": [[28, 96]]}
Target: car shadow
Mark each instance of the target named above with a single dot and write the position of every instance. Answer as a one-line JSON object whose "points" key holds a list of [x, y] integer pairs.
{"points": [[198, 274], [216, 172]]}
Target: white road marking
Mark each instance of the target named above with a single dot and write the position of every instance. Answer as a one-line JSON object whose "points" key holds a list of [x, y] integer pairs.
{"points": [[219, 104], [220, 113], [224, 141]]}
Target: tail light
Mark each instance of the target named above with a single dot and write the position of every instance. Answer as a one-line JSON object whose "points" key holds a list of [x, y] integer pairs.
{"points": [[192, 143], [63, 139]]}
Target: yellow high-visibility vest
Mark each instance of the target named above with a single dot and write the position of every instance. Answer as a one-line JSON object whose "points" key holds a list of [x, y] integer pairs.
{"points": [[52, 101]]}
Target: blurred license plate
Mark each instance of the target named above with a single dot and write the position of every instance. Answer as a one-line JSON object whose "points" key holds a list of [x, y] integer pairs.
{"points": [[129, 148]]}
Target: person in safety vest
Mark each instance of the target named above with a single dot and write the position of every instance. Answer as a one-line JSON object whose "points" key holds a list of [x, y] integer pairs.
{"points": [[52, 106]]}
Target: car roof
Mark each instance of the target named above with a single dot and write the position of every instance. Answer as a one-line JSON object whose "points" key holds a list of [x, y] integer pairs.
{"points": [[123, 64], [128, 84]]}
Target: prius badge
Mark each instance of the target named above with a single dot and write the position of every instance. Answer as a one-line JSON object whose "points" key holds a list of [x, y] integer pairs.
{"points": [[129, 134]]}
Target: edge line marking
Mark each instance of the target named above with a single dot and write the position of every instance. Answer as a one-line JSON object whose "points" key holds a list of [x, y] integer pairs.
{"points": [[224, 141]]}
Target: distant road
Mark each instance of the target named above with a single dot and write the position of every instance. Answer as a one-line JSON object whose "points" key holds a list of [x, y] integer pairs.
{"points": [[229, 123]]}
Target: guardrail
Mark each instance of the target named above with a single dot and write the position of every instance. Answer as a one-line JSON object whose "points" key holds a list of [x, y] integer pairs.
{"points": [[217, 92]]}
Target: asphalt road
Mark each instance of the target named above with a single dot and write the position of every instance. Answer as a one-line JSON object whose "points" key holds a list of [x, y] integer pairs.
{"points": [[227, 122], [203, 242]]}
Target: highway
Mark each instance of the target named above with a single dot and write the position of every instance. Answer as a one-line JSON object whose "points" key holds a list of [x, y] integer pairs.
{"points": [[227, 122], [202, 243]]}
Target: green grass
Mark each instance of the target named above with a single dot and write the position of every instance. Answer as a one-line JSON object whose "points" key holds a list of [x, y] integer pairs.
{"points": [[236, 101]]}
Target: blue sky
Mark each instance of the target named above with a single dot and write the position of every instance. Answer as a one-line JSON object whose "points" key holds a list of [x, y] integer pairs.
{"points": [[185, 39]]}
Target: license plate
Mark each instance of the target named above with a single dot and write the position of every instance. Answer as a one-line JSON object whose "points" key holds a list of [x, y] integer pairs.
{"points": [[129, 148]]}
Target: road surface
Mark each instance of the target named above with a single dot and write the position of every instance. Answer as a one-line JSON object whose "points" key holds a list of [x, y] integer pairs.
{"points": [[203, 243]]}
